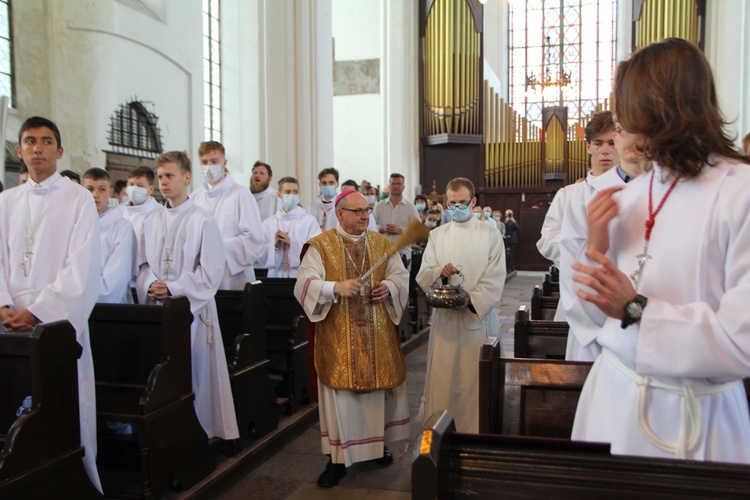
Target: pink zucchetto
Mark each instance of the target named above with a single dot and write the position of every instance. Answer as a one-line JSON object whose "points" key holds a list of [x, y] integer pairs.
{"points": [[343, 195]]}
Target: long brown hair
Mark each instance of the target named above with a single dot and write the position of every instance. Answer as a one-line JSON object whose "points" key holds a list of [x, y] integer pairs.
{"points": [[666, 92]]}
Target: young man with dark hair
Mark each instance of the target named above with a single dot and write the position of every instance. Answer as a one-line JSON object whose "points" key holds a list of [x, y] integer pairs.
{"points": [[50, 239], [139, 190], [179, 255], [600, 144], [73, 176], [286, 232], [322, 208], [117, 241], [23, 174], [120, 191], [472, 248], [263, 192], [236, 213]]}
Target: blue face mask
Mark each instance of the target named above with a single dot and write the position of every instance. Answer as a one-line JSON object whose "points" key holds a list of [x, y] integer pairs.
{"points": [[328, 191], [477, 215], [290, 201], [420, 206], [460, 213]]}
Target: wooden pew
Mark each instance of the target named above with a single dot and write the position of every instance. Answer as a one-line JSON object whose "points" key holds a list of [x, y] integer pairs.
{"points": [[528, 397], [539, 339], [143, 378], [282, 319], [543, 307], [456, 465], [551, 284], [254, 397], [41, 453]]}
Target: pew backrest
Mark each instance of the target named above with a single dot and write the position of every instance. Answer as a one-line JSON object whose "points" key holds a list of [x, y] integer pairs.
{"points": [[543, 307], [537, 338]]}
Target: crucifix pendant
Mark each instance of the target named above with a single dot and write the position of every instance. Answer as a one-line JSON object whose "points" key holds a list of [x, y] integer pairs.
{"points": [[167, 262], [361, 290], [25, 263], [638, 273]]}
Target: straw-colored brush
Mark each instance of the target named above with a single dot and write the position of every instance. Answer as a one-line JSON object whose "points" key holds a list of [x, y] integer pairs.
{"points": [[415, 232]]}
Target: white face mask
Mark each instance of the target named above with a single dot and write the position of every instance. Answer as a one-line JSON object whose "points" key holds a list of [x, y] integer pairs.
{"points": [[137, 194], [371, 199], [213, 173], [430, 223]]}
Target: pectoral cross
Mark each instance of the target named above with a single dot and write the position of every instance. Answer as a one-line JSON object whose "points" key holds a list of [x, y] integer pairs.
{"points": [[638, 273], [167, 262], [26, 262]]}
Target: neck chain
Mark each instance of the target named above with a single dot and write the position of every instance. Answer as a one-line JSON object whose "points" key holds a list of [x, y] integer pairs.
{"points": [[31, 225], [169, 238], [361, 269], [643, 257]]}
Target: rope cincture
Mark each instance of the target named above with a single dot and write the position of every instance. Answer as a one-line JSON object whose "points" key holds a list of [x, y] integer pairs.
{"points": [[689, 413]]}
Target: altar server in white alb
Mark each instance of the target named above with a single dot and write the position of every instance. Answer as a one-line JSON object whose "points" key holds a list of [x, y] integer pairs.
{"points": [[667, 262], [600, 145], [236, 213], [140, 190], [50, 246], [361, 371], [584, 328], [117, 241], [180, 255], [468, 246], [260, 186], [323, 206], [286, 232]]}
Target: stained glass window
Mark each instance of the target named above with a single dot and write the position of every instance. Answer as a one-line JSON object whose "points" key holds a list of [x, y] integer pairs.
{"points": [[562, 52], [6, 52], [211, 71]]}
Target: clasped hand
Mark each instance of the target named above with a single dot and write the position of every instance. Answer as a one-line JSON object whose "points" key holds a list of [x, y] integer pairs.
{"points": [[158, 290], [613, 288], [17, 322], [283, 237]]}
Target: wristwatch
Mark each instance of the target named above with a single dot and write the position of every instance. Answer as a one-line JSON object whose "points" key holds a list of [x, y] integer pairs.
{"points": [[633, 311]]}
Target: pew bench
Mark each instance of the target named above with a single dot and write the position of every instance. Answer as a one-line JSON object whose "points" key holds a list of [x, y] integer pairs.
{"points": [[41, 453], [551, 284], [247, 362], [277, 313], [543, 307], [142, 362], [539, 338], [528, 397], [456, 465]]}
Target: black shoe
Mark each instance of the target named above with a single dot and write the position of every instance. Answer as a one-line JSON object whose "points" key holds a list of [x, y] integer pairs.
{"points": [[387, 458], [332, 475]]}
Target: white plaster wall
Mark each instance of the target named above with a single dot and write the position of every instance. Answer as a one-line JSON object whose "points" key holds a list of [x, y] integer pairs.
{"points": [[728, 52], [277, 88], [376, 134], [496, 43], [91, 56]]}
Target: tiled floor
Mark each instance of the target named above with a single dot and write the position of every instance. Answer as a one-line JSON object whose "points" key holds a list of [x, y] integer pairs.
{"points": [[293, 471]]}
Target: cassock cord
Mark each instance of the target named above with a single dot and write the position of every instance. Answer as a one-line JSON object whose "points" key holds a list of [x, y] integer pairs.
{"points": [[689, 412], [207, 320]]}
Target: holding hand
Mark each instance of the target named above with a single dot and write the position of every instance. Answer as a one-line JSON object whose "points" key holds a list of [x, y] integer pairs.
{"points": [[449, 270], [380, 293], [158, 290], [613, 288], [283, 237], [19, 322], [347, 288]]}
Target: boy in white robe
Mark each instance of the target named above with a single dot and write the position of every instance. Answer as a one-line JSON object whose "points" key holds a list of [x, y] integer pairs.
{"points": [[48, 259], [179, 255], [323, 206], [117, 241], [476, 250], [666, 261], [584, 328], [286, 232], [140, 190], [264, 194], [236, 213]]}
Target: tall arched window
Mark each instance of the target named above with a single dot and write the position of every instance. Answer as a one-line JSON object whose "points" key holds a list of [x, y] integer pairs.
{"points": [[6, 52], [562, 52], [211, 71]]}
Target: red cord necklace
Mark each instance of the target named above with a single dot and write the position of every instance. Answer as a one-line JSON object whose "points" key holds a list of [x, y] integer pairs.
{"points": [[643, 257]]}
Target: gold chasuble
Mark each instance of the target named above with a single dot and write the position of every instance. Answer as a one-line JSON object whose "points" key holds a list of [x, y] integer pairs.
{"points": [[356, 345]]}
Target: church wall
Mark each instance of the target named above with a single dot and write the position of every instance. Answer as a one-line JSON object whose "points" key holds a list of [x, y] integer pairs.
{"points": [[496, 42], [91, 56], [375, 133]]}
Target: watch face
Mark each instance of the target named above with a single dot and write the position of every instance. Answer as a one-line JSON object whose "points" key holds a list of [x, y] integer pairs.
{"points": [[635, 310]]}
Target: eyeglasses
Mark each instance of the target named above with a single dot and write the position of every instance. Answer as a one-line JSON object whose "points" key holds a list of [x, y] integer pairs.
{"points": [[451, 208], [359, 211]]}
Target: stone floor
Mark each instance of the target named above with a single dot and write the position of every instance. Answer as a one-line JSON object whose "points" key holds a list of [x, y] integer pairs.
{"points": [[293, 471]]}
